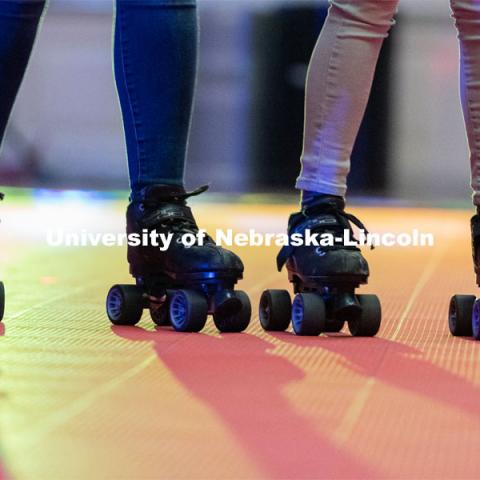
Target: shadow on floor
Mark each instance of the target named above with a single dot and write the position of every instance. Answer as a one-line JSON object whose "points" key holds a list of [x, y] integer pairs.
{"points": [[396, 364], [242, 382]]}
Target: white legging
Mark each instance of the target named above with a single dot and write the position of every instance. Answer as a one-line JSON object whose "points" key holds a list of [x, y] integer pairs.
{"points": [[340, 77]]}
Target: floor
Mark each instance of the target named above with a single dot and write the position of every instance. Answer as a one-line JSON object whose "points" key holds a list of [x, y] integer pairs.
{"points": [[82, 399]]}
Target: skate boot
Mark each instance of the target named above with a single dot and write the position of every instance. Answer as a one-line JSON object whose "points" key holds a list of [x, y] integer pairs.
{"points": [[182, 284], [2, 287], [464, 310], [324, 278]]}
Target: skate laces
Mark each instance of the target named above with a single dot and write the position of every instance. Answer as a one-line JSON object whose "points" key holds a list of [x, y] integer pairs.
{"points": [[323, 207], [155, 195], [183, 196], [349, 217], [177, 225], [306, 219], [171, 212]]}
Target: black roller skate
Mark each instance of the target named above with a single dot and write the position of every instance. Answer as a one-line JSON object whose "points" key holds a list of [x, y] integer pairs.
{"points": [[324, 278], [2, 287], [182, 284], [464, 310]]}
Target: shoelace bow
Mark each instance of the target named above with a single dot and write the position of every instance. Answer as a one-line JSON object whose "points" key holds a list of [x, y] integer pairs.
{"points": [[286, 251], [183, 225]]}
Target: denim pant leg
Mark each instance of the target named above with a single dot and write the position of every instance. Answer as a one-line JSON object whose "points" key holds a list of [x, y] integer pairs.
{"points": [[155, 57], [19, 21], [467, 21], [339, 80]]}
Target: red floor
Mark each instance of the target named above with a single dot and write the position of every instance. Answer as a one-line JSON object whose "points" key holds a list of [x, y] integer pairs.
{"points": [[81, 399]]}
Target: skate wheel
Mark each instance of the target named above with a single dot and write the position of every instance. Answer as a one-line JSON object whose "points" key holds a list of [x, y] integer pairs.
{"points": [[368, 322], [308, 314], [160, 312], [125, 304], [476, 320], [188, 311], [238, 321], [274, 310], [2, 301], [334, 326], [460, 315], [160, 315]]}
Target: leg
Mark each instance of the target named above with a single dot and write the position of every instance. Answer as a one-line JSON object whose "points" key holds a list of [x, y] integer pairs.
{"points": [[155, 58], [155, 67], [19, 21], [339, 80], [464, 311], [467, 21]]}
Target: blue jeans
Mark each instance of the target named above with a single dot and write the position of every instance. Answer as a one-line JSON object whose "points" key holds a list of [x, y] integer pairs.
{"points": [[155, 57]]}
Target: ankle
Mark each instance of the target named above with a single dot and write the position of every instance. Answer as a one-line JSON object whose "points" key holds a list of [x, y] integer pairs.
{"points": [[308, 198]]}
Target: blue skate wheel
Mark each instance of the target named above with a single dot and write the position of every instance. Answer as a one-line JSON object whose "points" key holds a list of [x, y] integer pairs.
{"points": [[125, 304], [308, 314], [368, 322], [476, 320], [188, 311], [2, 301], [460, 315], [239, 320], [275, 310]]}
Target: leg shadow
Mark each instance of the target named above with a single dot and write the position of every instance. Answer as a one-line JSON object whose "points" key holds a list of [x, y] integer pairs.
{"points": [[239, 378], [398, 365]]}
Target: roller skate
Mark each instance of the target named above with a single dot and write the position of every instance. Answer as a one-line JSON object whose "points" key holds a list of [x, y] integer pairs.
{"points": [[464, 310], [184, 284], [324, 278], [2, 287]]}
